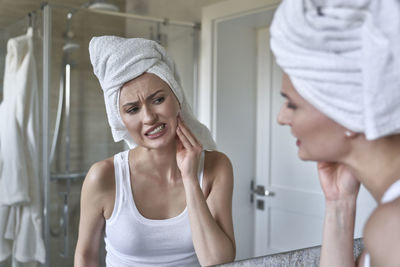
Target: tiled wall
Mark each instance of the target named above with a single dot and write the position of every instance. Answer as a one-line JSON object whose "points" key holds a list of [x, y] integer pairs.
{"points": [[90, 135]]}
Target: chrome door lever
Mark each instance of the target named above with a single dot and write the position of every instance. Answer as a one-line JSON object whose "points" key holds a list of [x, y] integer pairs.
{"points": [[259, 191]]}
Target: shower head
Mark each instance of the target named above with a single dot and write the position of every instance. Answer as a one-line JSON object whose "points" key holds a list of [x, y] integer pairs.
{"points": [[103, 5]]}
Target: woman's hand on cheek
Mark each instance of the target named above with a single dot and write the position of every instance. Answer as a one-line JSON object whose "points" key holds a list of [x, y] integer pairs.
{"points": [[188, 151], [337, 181]]}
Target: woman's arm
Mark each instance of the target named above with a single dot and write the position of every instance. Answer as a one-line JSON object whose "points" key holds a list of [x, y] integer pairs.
{"points": [[337, 244], [340, 188], [211, 220], [95, 192]]}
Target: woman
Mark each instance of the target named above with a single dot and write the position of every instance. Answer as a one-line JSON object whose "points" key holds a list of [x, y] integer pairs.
{"points": [[166, 200], [342, 84]]}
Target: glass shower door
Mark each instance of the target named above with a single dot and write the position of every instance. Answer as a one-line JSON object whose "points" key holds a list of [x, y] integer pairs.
{"points": [[79, 134]]}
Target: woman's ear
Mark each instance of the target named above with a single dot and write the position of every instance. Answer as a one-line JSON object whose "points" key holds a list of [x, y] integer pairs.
{"points": [[350, 134]]}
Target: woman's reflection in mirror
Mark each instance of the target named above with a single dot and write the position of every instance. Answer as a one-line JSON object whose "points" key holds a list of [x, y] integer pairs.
{"points": [[342, 87], [167, 201]]}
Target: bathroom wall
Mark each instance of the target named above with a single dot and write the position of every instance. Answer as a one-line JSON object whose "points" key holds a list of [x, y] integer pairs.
{"points": [[179, 41], [90, 135]]}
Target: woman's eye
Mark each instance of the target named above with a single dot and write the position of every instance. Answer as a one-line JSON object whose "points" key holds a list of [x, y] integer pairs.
{"points": [[159, 100], [133, 110], [291, 106]]}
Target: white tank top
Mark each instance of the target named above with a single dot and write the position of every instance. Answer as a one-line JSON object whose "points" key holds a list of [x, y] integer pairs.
{"points": [[391, 194], [133, 240]]}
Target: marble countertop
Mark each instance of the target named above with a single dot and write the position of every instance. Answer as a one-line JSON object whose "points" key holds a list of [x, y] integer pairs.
{"points": [[303, 257]]}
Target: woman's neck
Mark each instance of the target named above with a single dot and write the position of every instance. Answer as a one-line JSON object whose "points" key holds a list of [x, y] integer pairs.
{"points": [[160, 162], [376, 163]]}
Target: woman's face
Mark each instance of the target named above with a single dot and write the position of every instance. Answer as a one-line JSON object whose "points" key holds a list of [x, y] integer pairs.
{"points": [[149, 111], [318, 137]]}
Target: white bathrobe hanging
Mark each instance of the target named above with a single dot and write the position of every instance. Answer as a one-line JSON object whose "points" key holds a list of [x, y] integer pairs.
{"points": [[20, 208]]}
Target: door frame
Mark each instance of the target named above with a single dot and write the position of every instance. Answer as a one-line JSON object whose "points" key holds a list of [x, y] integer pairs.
{"points": [[212, 15]]}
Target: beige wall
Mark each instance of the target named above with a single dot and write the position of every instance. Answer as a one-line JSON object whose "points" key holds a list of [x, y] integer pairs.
{"points": [[178, 41], [186, 10]]}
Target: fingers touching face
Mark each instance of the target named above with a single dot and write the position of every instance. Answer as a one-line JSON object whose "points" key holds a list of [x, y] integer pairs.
{"points": [[187, 138]]}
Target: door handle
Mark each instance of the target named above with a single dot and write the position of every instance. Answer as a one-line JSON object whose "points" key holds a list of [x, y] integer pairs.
{"points": [[259, 190]]}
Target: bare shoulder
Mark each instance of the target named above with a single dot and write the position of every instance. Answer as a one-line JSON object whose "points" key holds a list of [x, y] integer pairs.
{"points": [[218, 166], [382, 234], [100, 178], [217, 161]]}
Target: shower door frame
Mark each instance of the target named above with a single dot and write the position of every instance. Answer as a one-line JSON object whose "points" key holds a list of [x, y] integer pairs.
{"points": [[45, 123]]}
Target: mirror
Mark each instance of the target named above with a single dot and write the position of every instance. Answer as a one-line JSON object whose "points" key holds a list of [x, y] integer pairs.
{"points": [[277, 205]]}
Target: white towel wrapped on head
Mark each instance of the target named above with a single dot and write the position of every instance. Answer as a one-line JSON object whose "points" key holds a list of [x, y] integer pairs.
{"points": [[117, 60], [344, 58]]}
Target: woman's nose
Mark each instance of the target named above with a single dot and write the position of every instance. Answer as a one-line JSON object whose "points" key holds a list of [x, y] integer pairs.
{"points": [[284, 116], [150, 117]]}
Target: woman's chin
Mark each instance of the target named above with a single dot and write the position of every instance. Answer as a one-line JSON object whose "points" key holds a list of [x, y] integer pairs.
{"points": [[159, 143], [304, 156]]}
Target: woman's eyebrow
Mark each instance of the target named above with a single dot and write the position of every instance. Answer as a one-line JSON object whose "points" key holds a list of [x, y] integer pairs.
{"points": [[285, 95], [131, 103], [155, 93], [149, 97]]}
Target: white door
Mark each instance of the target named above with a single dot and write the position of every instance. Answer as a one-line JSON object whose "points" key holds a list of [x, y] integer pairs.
{"points": [[239, 100], [228, 98], [293, 217]]}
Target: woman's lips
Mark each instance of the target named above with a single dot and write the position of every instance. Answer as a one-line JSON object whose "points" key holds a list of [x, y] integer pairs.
{"points": [[156, 131], [298, 143]]}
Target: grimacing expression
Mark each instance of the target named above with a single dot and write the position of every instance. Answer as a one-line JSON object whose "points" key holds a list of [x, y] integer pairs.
{"points": [[149, 111], [319, 138]]}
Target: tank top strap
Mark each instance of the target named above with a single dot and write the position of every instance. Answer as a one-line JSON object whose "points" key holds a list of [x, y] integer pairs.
{"points": [[201, 169], [120, 171], [367, 260], [392, 192]]}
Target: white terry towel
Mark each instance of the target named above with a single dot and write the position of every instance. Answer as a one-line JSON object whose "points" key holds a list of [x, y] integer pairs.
{"points": [[117, 60], [344, 58], [20, 206]]}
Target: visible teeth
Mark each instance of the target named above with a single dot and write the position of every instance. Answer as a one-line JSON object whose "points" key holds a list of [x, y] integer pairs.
{"points": [[158, 129]]}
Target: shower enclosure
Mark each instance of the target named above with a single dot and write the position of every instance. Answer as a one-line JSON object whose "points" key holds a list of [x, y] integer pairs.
{"points": [[74, 128]]}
